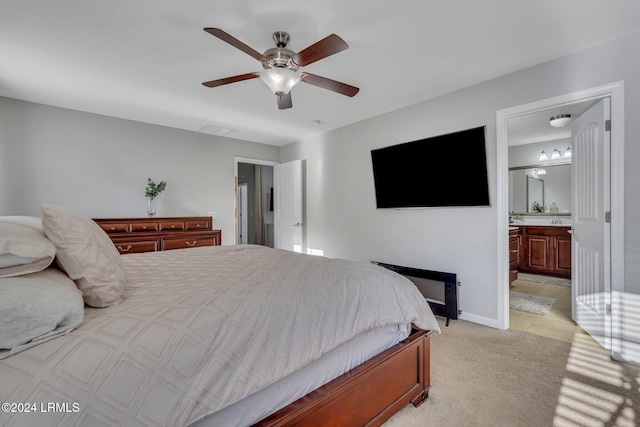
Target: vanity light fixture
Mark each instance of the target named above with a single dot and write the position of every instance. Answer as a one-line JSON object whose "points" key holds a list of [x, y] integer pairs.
{"points": [[543, 156], [567, 153], [556, 154], [560, 120], [539, 171]]}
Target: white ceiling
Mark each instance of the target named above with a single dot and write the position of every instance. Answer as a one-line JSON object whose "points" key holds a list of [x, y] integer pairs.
{"points": [[535, 127], [145, 60]]}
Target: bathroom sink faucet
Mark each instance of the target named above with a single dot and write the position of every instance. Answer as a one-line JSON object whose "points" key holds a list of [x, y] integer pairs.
{"points": [[556, 220]]}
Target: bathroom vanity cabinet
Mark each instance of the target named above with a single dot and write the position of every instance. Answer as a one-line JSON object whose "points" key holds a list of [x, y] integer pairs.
{"points": [[545, 250]]}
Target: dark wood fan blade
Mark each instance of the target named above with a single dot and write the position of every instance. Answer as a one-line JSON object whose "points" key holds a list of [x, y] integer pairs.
{"points": [[217, 32], [284, 101], [326, 47], [232, 79], [329, 84]]}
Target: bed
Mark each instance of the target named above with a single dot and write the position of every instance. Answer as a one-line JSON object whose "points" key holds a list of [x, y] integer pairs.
{"points": [[224, 335]]}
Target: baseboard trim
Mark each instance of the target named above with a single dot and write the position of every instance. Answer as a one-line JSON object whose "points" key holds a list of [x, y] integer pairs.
{"points": [[485, 321]]}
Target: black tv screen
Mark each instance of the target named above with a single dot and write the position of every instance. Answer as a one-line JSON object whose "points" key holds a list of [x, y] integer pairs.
{"points": [[445, 170]]}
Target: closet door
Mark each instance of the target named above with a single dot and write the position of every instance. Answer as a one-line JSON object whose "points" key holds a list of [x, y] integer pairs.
{"points": [[287, 206]]}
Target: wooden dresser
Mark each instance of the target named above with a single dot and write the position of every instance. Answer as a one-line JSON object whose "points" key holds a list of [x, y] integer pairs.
{"points": [[133, 235]]}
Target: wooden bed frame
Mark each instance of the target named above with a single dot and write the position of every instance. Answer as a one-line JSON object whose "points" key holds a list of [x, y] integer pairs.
{"points": [[369, 394]]}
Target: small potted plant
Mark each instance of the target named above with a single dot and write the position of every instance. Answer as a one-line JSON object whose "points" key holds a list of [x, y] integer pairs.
{"points": [[152, 191], [537, 207]]}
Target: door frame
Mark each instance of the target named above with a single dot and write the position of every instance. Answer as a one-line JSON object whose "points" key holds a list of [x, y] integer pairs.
{"points": [[242, 203], [249, 160], [616, 92]]}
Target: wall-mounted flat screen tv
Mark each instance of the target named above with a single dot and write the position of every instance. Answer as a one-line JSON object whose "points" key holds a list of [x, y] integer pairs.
{"points": [[445, 170]]}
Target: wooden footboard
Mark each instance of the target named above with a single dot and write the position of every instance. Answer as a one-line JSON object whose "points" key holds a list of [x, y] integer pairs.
{"points": [[369, 394]]}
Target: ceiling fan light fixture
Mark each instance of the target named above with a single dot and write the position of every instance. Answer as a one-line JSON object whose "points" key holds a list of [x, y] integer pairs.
{"points": [[560, 120], [280, 80]]}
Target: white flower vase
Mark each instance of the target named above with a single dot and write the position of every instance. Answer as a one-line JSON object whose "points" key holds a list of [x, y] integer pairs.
{"points": [[151, 207]]}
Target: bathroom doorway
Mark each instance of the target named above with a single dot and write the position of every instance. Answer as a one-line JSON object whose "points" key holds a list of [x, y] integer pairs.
{"points": [[254, 202], [615, 259]]}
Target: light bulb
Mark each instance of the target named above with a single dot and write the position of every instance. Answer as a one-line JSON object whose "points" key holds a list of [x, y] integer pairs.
{"points": [[280, 80]]}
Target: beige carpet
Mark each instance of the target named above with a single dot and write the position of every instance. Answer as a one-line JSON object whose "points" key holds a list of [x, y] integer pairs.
{"points": [[482, 376]]}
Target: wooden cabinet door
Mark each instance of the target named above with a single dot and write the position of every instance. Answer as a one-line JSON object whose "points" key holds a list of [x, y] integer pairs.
{"points": [[562, 255], [538, 253]]}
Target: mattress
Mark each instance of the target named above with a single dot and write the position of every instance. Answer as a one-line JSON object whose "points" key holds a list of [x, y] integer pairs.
{"points": [[201, 329], [263, 403]]}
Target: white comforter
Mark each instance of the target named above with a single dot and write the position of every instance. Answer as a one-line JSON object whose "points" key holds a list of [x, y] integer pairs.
{"points": [[200, 329]]}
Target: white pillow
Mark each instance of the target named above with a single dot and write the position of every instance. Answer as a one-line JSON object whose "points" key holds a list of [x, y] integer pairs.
{"points": [[23, 250], [87, 254], [28, 221], [37, 307]]}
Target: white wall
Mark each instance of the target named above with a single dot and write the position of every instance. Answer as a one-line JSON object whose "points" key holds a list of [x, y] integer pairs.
{"points": [[99, 165], [558, 178], [342, 218], [528, 154]]}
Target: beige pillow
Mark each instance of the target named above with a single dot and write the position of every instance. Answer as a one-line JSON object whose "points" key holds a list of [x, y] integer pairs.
{"points": [[28, 221], [87, 254], [37, 307], [23, 250]]}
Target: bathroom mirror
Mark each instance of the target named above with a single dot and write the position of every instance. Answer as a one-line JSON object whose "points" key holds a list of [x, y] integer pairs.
{"points": [[535, 194], [547, 184]]}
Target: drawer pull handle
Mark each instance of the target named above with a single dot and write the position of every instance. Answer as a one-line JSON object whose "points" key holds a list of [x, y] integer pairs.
{"points": [[113, 228], [173, 226], [144, 227], [191, 243], [121, 249]]}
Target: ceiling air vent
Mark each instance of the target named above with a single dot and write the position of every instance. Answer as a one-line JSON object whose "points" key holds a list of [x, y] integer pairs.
{"points": [[214, 130]]}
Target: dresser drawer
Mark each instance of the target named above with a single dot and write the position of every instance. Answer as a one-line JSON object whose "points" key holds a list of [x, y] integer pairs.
{"points": [[171, 226], [198, 225], [143, 226], [135, 247], [187, 242], [114, 228]]}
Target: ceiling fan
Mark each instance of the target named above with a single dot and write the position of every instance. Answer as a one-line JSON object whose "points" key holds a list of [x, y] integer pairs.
{"points": [[281, 65]]}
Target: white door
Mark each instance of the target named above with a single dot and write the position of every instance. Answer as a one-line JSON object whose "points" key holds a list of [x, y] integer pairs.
{"points": [[590, 279], [287, 206]]}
